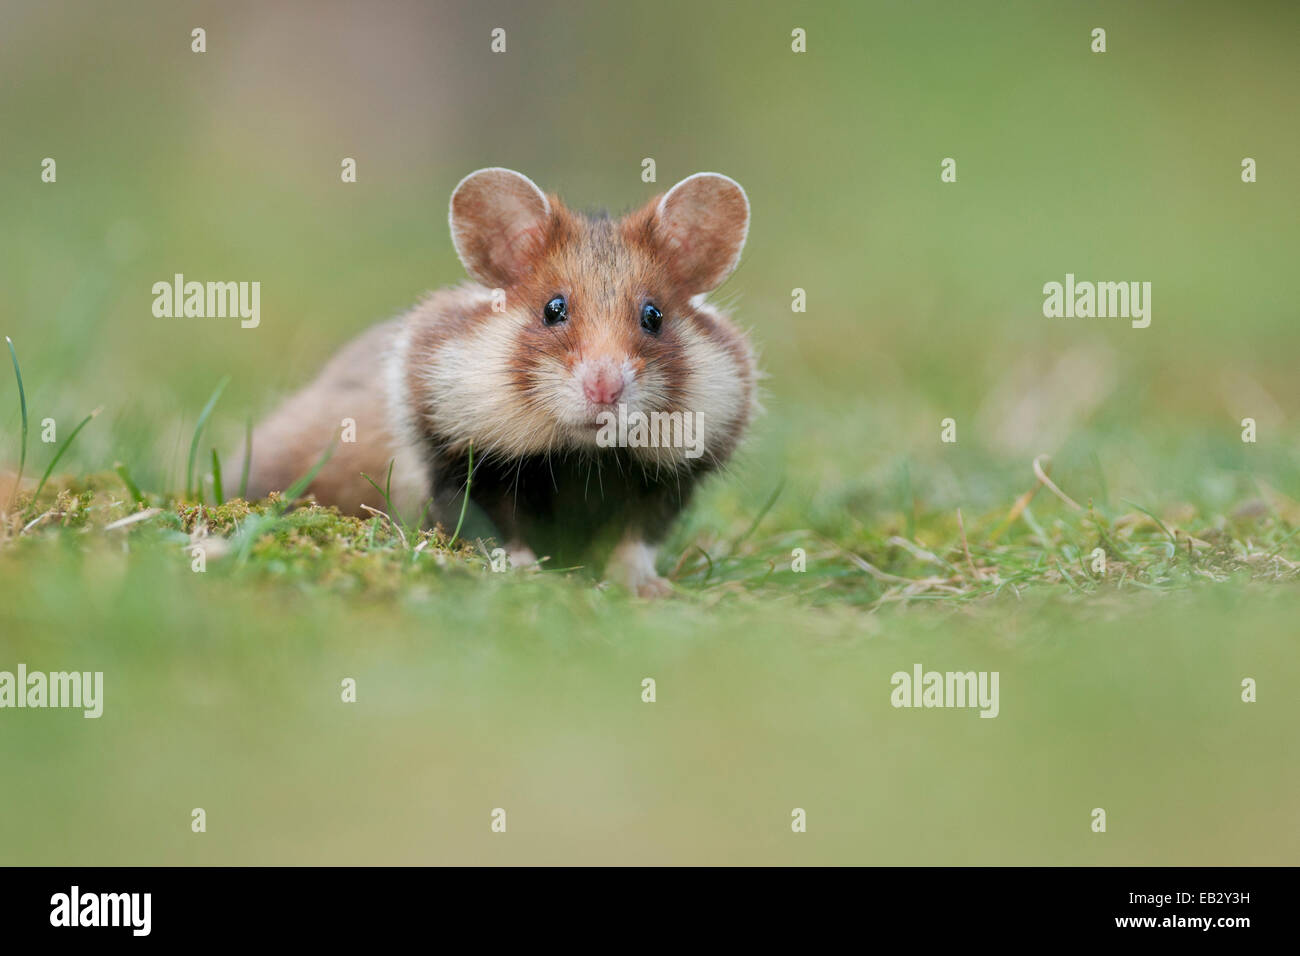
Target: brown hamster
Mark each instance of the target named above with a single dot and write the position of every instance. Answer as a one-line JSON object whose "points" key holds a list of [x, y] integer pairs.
{"points": [[594, 384]]}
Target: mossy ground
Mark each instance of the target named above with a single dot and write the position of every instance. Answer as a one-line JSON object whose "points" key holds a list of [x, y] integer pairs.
{"points": [[949, 557]]}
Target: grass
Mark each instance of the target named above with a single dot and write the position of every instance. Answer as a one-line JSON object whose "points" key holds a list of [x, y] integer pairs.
{"points": [[22, 405], [1078, 551], [1122, 620], [198, 434], [480, 690]]}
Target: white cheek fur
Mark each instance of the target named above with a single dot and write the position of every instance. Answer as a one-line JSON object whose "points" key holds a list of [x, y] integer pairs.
{"points": [[715, 384], [471, 396]]}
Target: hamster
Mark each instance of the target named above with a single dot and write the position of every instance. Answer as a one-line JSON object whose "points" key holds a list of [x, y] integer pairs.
{"points": [[573, 324]]}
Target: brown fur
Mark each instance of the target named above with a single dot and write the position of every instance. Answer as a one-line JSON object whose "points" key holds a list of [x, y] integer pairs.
{"points": [[293, 438]]}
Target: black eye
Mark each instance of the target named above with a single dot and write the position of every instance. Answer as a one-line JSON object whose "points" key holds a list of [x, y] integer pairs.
{"points": [[556, 311], [652, 319]]}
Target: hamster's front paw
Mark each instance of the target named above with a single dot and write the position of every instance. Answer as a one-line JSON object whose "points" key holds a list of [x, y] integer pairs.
{"points": [[521, 557], [654, 588], [633, 566]]}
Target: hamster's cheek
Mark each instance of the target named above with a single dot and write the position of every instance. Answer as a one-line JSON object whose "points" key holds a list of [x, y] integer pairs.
{"points": [[554, 392], [713, 385]]}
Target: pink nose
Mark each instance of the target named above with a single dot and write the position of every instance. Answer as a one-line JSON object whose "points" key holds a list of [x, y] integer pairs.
{"points": [[603, 386]]}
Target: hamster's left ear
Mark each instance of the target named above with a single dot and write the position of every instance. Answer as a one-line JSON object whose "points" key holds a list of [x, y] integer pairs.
{"points": [[701, 224]]}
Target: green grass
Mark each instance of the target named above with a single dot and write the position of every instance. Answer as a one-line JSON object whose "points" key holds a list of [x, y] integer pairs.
{"points": [[522, 690], [480, 690], [725, 552], [821, 556], [1042, 540], [477, 689], [22, 410]]}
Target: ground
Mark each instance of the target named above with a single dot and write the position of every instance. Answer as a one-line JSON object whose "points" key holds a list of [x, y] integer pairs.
{"points": [[1120, 688]]}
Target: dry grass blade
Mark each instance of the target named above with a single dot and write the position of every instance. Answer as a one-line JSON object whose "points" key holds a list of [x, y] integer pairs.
{"points": [[37, 520], [133, 519], [380, 514], [1041, 474]]}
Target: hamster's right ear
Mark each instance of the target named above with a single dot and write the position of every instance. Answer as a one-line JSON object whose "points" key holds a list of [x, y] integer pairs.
{"points": [[499, 223]]}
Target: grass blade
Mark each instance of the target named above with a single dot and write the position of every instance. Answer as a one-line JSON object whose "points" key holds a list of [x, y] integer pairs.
{"points": [[62, 448], [386, 492], [216, 479], [132, 489], [1159, 523], [198, 432], [259, 524], [758, 518], [298, 487], [22, 404], [469, 478]]}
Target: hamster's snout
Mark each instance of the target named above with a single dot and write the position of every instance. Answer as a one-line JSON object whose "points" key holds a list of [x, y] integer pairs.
{"points": [[602, 382]]}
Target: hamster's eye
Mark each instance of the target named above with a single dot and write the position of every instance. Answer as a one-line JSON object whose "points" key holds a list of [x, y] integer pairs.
{"points": [[652, 319], [556, 311]]}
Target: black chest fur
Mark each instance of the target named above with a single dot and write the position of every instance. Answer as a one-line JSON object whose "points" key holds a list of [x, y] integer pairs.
{"points": [[565, 504]]}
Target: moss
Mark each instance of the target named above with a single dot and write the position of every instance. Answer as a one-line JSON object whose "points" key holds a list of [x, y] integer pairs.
{"points": [[219, 519], [867, 564]]}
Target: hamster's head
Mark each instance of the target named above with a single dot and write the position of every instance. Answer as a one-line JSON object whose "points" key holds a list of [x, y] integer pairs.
{"points": [[597, 320]]}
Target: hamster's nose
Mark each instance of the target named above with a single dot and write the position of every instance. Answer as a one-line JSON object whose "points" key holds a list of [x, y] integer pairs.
{"points": [[602, 385]]}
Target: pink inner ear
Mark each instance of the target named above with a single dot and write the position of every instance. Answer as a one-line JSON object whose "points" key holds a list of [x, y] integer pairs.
{"points": [[515, 246]]}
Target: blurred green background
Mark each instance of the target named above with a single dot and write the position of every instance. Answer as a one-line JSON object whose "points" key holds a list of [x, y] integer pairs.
{"points": [[532, 702], [924, 302], [924, 299]]}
